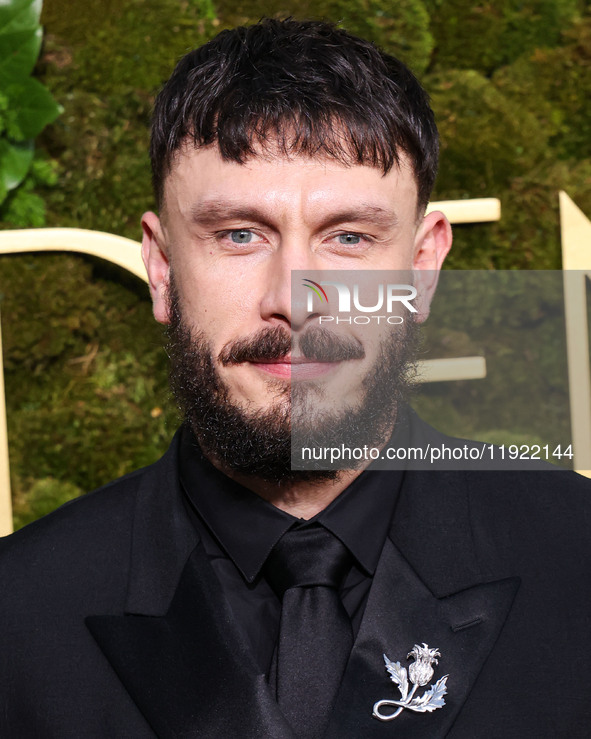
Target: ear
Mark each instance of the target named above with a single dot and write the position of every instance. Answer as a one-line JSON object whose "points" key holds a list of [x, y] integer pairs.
{"points": [[155, 256], [432, 243]]}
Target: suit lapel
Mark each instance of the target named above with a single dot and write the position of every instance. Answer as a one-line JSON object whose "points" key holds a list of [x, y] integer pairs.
{"points": [[177, 650], [189, 671], [429, 587], [400, 613]]}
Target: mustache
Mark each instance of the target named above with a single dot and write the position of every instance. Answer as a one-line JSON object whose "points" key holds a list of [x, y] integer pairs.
{"points": [[324, 345], [271, 344]]}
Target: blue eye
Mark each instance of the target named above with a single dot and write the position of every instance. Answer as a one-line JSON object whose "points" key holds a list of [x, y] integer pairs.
{"points": [[349, 238], [241, 237]]}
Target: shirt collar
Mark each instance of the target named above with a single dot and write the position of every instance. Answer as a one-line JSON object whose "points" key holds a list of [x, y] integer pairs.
{"points": [[360, 516], [247, 527]]}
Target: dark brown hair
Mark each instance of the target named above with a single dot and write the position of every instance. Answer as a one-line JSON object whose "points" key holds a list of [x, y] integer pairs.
{"points": [[306, 86]]}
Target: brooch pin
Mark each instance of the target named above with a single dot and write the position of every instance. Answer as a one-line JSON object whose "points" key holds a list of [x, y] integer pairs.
{"points": [[420, 674]]}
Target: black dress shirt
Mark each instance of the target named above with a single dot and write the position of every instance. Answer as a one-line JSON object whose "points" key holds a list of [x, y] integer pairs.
{"points": [[239, 529]]}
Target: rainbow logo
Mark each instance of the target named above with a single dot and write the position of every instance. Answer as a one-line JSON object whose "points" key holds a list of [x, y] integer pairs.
{"points": [[315, 287]]}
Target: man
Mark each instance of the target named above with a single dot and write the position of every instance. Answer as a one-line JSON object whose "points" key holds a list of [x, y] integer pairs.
{"points": [[219, 592]]}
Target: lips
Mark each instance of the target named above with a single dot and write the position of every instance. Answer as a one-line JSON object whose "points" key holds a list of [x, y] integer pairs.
{"points": [[296, 368]]}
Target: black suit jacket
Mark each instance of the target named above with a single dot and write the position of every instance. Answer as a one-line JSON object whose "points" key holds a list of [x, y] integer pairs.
{"points": [[112, 623]]}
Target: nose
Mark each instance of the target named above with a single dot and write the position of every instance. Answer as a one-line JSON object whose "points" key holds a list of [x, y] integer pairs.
{"points": [[285, 300]]}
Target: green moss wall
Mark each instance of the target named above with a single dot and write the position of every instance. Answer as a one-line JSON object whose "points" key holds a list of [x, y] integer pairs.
{"points": [[85, 375]]}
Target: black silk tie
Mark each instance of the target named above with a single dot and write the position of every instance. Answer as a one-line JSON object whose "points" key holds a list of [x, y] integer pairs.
{"points": [[305, 568]]}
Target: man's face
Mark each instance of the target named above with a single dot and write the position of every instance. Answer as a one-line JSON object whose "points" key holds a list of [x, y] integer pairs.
{"points": [[232, 234]]}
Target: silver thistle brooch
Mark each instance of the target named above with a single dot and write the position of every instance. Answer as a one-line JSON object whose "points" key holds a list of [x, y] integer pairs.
{"points": [[420, 673]]}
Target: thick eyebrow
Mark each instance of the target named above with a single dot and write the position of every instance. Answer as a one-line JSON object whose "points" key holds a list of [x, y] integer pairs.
{"points": [[363, 213], [212, 212]]}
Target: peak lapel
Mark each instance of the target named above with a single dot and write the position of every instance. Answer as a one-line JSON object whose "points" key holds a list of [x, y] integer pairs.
{"points": [[429, 587], [400, 613], [189, 671]]}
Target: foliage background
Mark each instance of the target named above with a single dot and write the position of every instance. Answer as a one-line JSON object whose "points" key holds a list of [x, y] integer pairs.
{"points": [[85, 373], [26, 107]]}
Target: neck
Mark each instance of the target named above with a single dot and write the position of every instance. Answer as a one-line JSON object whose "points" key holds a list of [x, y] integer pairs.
{"points": [[302, 499]]}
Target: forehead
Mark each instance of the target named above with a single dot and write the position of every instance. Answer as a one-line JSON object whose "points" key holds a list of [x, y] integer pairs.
{"points": [[201, 176]]}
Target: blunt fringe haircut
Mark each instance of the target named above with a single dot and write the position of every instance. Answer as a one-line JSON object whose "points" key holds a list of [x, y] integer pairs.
{"points": [[306, 87]]}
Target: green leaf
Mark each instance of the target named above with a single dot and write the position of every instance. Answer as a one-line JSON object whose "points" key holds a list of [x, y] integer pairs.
{"points": [[19, 15], [18, 54], [34, 106], [15, 160], [24, 209]]}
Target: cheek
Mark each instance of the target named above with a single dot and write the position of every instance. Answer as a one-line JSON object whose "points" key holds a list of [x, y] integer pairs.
{"points": [[222, 312]]}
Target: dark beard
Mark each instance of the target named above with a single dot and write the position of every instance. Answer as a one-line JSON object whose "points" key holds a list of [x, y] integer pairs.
{"points": [[266, 443]]}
